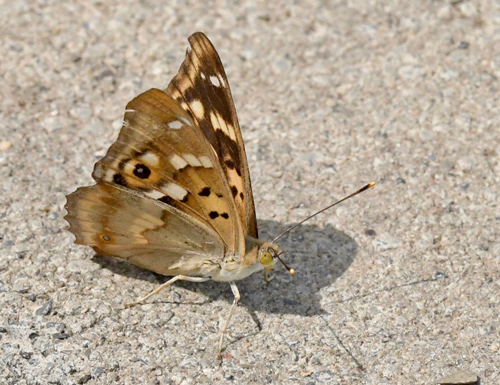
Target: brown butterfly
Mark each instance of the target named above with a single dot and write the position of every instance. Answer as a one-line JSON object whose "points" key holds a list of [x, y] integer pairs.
{"points": [[173, 193]]}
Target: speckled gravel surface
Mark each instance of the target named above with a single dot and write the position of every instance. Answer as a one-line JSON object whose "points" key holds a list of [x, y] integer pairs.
{"points": [[400, 285]]}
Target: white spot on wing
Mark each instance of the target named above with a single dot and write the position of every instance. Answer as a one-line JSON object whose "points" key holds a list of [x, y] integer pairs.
{"points": [[192, 160], [129, 110], [202, 75], [150, 159], [215, 81], [175, 125], [186, 122], [109, 175], [205, 161], [174, 191], [230, 131], [198, 109], [177, 162], [215, 121], [155, 194], [219, 123]]}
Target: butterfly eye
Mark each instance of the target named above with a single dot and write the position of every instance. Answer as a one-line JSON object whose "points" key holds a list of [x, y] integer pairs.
{"points": [[265, 257]]}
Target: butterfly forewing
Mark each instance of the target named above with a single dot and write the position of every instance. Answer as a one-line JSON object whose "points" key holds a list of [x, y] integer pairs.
{"points": [[162, 155], [201, 87]]}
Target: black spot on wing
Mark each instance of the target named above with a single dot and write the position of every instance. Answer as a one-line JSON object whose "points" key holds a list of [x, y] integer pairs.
{"points": [[230, 164], [242, 196], [234, 191], [166, 199], [205, 192], [142, 171], [213, 214], [225, 215], [171, 201], [119, 179]]}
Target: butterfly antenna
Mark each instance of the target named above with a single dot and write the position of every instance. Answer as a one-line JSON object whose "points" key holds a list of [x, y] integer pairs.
{"points": [[369, 185], [290, 269]]}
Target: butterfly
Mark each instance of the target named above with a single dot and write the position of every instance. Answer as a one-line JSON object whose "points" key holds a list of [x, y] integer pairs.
{"points": [[173, 193]]}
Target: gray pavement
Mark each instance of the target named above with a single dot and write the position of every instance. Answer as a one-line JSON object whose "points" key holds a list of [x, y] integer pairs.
{"points": [[400, 285]]}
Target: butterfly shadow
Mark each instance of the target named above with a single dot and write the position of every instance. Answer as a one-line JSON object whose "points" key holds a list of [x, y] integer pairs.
{"points": [[318, 255]]}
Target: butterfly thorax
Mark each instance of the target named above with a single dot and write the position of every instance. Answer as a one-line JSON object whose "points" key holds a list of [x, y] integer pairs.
{"points": [[234, 268]]}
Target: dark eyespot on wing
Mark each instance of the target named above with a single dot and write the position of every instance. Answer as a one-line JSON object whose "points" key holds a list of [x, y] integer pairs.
{"points": [[225, 215], [119, 179], [205, 192], [213, 214], [242, 196], [234, 191], [142, 171]]}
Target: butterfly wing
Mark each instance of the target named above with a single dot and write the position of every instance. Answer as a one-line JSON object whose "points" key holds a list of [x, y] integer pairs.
{"points": [[180, 151], [202, 89], [117, 221], [160, 155]]}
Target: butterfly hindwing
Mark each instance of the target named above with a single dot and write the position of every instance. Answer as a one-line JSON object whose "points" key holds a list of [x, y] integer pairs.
{"points": [[117, 221], [201, 87]]}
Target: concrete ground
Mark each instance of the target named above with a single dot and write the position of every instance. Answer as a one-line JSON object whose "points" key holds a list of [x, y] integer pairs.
{"points": [[400, 285]]}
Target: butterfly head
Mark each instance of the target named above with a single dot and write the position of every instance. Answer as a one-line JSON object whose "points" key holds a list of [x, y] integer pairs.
{"points": [[269, 253]]}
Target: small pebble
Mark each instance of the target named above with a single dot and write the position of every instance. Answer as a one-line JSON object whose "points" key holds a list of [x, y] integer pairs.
{"points": [[5, 145], [461, 377]]}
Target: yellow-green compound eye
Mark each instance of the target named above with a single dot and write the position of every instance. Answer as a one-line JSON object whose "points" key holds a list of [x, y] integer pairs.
{"points": [[265, 257]]}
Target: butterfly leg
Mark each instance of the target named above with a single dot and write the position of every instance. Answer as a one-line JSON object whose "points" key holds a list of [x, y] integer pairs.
{"points": [[237, 297], [168, 283], [266, 275]]}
